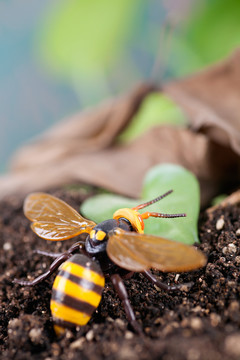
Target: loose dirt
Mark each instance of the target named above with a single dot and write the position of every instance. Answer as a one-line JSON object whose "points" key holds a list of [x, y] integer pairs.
{"points": [[201, 323]]}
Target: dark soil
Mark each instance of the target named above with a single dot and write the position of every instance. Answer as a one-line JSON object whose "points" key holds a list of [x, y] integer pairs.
{"points": [[203, 323]]}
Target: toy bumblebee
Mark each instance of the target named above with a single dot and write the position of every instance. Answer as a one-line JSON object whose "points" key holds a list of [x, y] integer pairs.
{"points": [[115, 248]]}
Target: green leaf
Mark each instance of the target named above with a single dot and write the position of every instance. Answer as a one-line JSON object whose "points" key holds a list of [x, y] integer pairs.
{"points": [[156, 109], [160, 179]]}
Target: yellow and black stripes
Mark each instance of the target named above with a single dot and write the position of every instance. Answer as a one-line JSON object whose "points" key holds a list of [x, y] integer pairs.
{"points": [[77, 291]]}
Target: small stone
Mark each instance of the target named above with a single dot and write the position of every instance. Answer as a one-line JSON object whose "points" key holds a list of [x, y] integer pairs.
{"points": [[237, 260], [177, 277], [13, 325], [196, 323], [35, 335], [147, 330], [185, 322], [234, 306], [7, 246], [215, 319], [197, 309], [230, 249], [68, 334], [167, 330], [120, 323], [77, 344], [109, 319], [55, 349], [127, 353], [193, 354], [90, 335], [220, 224], [238, 232], [232, 344], [231, 284], [128, 335]]}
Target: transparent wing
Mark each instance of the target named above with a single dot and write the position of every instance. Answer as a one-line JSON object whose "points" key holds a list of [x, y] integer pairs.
{"points": [[53, 219], [138, 252]]}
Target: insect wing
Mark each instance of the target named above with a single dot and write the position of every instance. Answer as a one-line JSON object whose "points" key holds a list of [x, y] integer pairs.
{"points": [[139, 252], [53, 219]]}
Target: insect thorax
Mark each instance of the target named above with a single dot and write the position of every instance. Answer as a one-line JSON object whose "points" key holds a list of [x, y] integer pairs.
{"points": [[96, 242]]}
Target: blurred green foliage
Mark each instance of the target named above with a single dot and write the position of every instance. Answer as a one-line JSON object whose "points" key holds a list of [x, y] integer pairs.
{"points": [[210, 33], [218, 199], [102, 46], [156, 109], [86, 37], [82, 39]]}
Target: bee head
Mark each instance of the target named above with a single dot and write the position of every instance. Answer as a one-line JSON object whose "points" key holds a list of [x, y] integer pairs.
{"points": [[137, 220]]}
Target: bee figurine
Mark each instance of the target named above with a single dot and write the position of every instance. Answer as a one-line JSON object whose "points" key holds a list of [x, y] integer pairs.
{"points": [[115, 248]]}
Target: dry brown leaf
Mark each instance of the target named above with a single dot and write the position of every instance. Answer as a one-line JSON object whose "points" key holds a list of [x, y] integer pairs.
{"points": [[86, 132], [211, 98], [121, 168], [84, 148]]}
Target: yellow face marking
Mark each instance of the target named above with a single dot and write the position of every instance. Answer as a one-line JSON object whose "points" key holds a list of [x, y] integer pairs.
{"points": [[76, 291], [82, 272], [63, 312], [92, 234], [100, 235]]}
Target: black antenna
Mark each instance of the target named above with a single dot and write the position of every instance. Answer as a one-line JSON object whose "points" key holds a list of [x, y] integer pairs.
{"points": [[141, 206]]}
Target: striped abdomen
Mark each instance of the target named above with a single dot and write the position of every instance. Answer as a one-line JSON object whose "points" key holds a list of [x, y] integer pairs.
{"points": [[76, 293]]}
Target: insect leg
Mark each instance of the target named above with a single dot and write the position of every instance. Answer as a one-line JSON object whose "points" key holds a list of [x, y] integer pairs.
{"points": [[45, 253], [56, 263], [75, 247], [162, 285], [78, 246], [123, 295]]}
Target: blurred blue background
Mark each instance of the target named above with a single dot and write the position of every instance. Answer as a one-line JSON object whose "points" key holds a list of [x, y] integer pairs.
{"points": [[31, 99], [59, 57]]}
